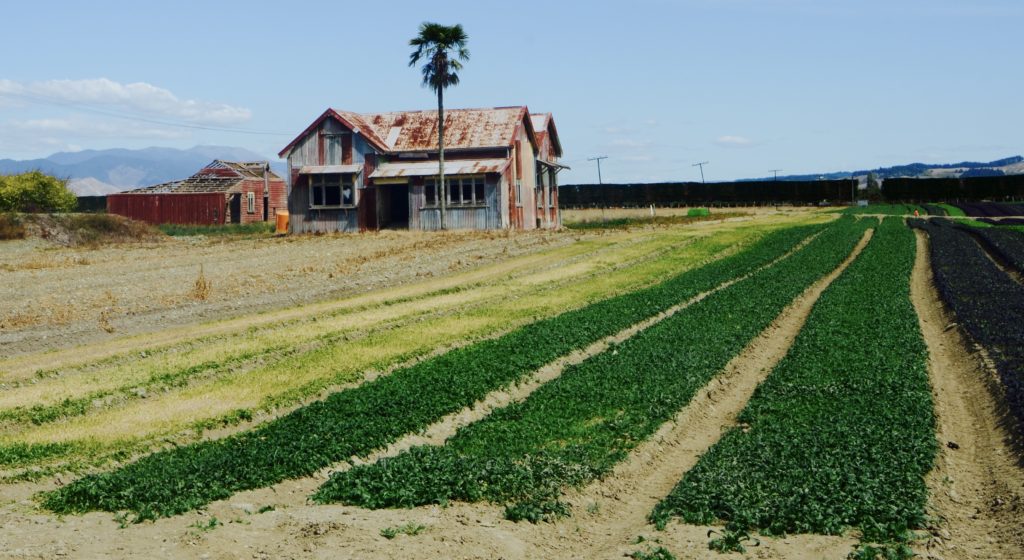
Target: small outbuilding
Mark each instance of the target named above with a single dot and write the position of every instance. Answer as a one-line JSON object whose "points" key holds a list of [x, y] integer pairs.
{"points": [[223, 192], [355, 172]]}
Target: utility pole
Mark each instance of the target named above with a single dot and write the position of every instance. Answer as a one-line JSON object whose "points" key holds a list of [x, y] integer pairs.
{"points": [[776, 172], [598, 160], [701, 166]]}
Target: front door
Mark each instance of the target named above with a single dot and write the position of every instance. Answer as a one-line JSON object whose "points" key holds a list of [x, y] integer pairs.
{"points": [[394, 205]]}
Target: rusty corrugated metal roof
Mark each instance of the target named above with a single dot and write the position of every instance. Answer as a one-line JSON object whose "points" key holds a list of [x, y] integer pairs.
{"points": [[544, 126], [540, 121], [320, 169], [554, 164], [416, 131], [429, 168]]}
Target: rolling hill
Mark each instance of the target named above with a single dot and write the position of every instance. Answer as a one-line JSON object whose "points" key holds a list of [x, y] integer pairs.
{"points": [[98, 172]]}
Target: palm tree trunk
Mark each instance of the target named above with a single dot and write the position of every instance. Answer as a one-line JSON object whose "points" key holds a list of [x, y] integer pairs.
{"points": [[442, 187]]}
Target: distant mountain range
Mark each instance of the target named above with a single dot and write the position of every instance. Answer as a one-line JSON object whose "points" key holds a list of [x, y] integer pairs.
{"points": [[1006, 166], [98, 172]]}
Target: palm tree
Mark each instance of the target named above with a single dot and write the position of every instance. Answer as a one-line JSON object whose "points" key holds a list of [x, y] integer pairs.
{"points": [[442, 47]]}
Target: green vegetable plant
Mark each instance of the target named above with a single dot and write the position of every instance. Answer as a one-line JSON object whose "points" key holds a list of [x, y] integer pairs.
{"points": [[411, 529], [841, 433], [358, 421], [577, 427], [731, 539]]}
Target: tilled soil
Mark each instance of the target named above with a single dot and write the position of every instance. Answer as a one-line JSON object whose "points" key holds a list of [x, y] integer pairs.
{"points": [[977, 485], [58, 297], [609, 516]]}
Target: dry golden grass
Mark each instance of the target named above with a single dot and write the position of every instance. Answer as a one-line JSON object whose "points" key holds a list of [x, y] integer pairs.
{"points": [[202, 287]]}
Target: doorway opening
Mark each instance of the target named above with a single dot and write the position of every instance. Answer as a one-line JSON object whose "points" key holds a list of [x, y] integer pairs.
{"points": [[393, 202]]}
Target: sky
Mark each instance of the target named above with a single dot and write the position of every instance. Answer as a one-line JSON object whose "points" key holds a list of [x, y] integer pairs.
{"points": [[749, 86]]}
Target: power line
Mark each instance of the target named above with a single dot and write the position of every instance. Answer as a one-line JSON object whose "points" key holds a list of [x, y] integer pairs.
{"points": [[126, 116], [776, 172], [701, 166], [598, 160]]}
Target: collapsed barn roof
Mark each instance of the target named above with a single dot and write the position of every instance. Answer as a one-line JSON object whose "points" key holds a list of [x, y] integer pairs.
{"points": [[218, 177]]}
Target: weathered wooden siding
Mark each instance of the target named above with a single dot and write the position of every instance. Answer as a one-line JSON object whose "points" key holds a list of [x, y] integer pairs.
{"points": [[191, 208], [529, 178], [331, 144], [303, 219], [477, 217], [278, 197]]}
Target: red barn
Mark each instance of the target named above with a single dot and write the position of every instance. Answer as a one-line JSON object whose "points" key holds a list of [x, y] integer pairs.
{"points": [[223, 192]]}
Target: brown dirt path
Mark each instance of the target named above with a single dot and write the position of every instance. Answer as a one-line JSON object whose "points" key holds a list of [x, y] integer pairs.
{"points": [[654, 468], [977, 485]]}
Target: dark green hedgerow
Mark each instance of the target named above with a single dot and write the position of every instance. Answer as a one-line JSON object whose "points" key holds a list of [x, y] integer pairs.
{"points": [[577, 427], [842, 432], [360, 420]]}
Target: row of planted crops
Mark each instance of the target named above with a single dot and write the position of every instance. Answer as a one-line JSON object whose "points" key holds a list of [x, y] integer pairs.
{"points": [[840, 435]]}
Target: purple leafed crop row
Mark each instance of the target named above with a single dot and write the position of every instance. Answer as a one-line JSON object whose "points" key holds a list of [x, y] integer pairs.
{"points": [[987, 302]]}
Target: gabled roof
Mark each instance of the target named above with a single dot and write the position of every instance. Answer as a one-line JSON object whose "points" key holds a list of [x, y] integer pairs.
{"points": [[416, 131], [218, 176], [544, 125]]}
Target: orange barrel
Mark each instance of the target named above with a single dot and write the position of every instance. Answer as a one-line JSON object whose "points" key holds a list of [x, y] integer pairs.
{"points": [[282, 221]]}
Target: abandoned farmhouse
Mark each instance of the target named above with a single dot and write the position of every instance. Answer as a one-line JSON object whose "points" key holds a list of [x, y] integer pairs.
{"points": [[353, 172]]}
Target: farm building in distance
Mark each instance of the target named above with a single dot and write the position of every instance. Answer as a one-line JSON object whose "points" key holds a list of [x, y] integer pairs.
{"points": [[351, 172], [223, 192]]}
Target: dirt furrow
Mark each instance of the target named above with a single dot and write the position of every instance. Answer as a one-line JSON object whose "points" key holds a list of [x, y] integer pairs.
{"points": [[996, 259], [977, 485], [437, 433], [653, 469]]}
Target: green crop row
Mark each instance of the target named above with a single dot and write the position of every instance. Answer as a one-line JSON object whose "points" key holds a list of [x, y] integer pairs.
{"points": [[360, 420], [887, 209], [841, 433], [578, 426]]}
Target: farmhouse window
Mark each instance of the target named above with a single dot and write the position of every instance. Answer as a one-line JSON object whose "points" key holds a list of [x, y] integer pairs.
{"points": [[519, 192], [250, 201], [462, 191], [331, 190]]}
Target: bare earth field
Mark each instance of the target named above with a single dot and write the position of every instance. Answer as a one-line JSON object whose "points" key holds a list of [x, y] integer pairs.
{"points": [[112, 351], [59, 296]]}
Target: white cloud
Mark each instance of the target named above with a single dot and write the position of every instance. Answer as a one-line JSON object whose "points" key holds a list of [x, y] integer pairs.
{"points": [[137, 96], [616, 130], [79, 127], [38, 137], [733, 141], [630, 143]]}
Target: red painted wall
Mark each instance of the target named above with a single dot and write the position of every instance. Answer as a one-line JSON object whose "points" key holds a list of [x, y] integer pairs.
{"points": [[277, 199], [193, 208]]}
